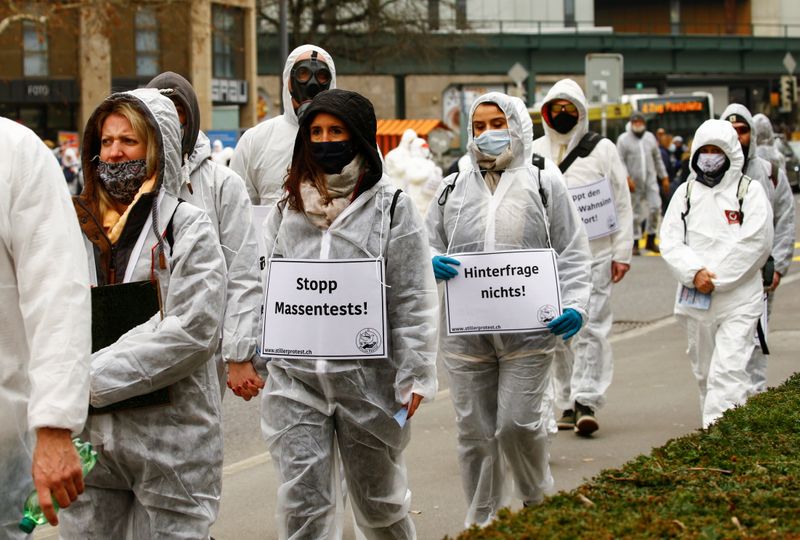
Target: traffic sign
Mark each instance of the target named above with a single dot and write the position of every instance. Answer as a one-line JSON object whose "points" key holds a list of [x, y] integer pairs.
{"points": [[789, 63], [518, 73]]}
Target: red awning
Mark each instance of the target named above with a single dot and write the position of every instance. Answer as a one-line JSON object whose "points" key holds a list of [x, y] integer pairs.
{"points": [[390, 131]]}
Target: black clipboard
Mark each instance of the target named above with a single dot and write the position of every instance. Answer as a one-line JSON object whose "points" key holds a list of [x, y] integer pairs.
{"points": [[116, 309]]}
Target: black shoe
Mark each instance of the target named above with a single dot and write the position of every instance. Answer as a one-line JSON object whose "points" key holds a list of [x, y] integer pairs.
{"points": [[567, 420], [651, 244], [636, 248], [585, 421]]}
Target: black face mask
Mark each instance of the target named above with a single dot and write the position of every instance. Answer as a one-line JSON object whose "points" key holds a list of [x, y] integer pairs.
{"points": [[309, 77], [564, 122], [332, 157]]}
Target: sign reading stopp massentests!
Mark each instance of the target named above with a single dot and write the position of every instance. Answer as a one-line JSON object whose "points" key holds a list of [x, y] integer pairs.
{"points": [[504, 291], [327, 309], [595, 204]]}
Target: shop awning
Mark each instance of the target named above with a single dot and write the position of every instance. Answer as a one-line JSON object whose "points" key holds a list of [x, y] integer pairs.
{"points": [[390, 131]]}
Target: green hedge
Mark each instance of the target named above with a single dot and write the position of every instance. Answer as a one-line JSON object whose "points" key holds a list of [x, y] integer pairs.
{"points": [[740, 478]]}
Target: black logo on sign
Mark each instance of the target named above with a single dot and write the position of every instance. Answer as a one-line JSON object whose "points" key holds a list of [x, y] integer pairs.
{"points": [[546, 313], [368, 340]]}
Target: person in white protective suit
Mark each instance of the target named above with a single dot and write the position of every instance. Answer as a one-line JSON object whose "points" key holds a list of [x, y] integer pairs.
{"points": [[340, 205], [264, 153], [221, 154], [397, 159], [583, 367], [716, 236], [776, 185], [766, 140], [497, 381], [45, 330], [159, 468], [423, 175], [639, 151], [220, 192]]}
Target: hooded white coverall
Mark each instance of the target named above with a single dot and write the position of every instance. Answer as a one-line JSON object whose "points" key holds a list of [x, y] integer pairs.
{"points": [[45, 329], [641, 157], [584, 365], [159, 469], [720, 337], [264, 152], [779, 194], [497, 381]]}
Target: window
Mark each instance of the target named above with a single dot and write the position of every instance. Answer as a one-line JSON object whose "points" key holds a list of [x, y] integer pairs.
{"points": [[569, 12], [34, 40], [228, 42], [146, 26]]}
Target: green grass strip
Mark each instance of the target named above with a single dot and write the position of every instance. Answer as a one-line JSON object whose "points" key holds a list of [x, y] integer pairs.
{"points": [[738, 479]]}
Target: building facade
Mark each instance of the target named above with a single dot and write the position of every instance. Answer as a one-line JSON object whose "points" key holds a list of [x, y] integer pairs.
{"points": [[55, 70]]}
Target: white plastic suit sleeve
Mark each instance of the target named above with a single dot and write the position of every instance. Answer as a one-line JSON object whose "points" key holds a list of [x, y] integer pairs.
{"points": [[569, 240], [237, 236], [683, 262], [784, 219], [622, 239], [413, 303], [159, 352], [41, 233], [240, 163]]}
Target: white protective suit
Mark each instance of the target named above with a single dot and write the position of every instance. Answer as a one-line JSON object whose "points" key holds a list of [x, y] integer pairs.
{"points": [[45, 329], [720, 337], [159, 468], [497, 381], [423, 175], [642, 158], [776, 185], [584, 365], [312, 407], [264, 152], [398, 158]]}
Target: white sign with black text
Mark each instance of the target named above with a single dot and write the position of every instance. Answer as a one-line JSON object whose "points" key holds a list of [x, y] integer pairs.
{"points": [[595, 204], [502, 292], [326, 309]]}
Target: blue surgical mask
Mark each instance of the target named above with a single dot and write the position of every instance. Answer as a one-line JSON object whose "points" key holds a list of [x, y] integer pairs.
{"points": [[493, 142]]}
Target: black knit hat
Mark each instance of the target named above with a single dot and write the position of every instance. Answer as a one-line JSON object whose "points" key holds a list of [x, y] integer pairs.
{"points": [[358, 114], [177, 88]]}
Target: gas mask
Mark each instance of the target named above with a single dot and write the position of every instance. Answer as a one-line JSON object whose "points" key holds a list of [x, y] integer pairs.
{"points": [[308, 78]]}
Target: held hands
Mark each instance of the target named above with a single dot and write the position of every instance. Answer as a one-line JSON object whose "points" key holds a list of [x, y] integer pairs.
{"points": [[618, 271], [665, 185], [56, 470], [243, 380], [776, 280], [443, 270], [702, 280], [567, 324]]}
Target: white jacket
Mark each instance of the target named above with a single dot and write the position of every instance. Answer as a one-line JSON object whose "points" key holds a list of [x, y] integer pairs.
{"points": [[222, 195], [734, 252], [45, 313], [603, 162], [264, 152]]}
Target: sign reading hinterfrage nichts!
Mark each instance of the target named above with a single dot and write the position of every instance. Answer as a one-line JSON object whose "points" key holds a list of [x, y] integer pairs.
{"points": [[595, 204], [503, 291], [331, 309]]}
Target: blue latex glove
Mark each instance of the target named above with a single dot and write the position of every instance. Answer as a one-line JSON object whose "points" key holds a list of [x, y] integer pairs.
{"points": [[442, 268], [567, 324]]}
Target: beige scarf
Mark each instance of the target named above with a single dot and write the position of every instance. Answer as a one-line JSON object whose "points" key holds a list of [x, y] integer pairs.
{"points": [[494, 166], [323, 212]]}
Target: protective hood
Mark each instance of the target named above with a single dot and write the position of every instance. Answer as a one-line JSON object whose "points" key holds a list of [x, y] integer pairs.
{"points": [[177, 88], [720, 133], [743, 115], [519, 126], [572, 92], [763, 130], [288, 109], [201, 152], [357, 113], [160, 113]]}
